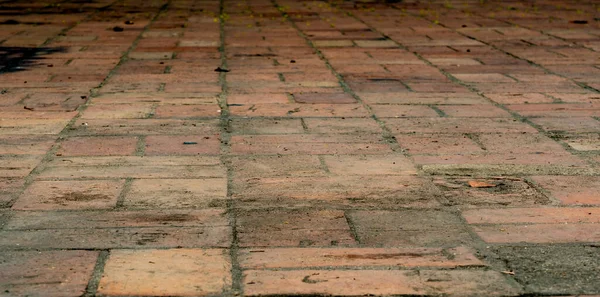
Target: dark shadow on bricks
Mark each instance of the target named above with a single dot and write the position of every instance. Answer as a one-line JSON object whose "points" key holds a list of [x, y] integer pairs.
{"points": [[14, 59]]}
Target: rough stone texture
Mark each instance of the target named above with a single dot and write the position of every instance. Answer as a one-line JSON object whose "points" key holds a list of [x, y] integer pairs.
{"points": [[359, 147], [551, 269]]}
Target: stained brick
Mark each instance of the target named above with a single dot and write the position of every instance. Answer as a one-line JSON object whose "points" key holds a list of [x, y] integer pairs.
{"points": [[53, 273], [356, 257], [376, 282], [46, 195]]}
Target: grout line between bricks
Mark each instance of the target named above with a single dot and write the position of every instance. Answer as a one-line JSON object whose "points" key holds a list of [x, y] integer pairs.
{"points": [[477, 241], [94, 282], [386, 132], [225, 151], [514, 114], [124, 191], [60, 136]]}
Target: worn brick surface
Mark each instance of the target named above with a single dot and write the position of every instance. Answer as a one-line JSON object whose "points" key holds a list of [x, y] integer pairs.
{"points": [[231, 148], [181, 272], [47, 273], [46, 195]]}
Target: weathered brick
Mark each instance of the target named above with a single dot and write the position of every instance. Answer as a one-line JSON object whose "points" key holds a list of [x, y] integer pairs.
{"points": [[17, 166], [370, 165], [293, 228], [376, 282], [176, 193], [403, 111], [266, 126], [182, 145], [299, 110], [134, 167], [25, 145], [51, 273], [371, 190], [98, 146], [342, 125], [500, 192], [276, 166], [437, 143], [46, 195], [277, 258], [572, 190], [538, 233], [102, 230], [181, 272], [309, 144], [409, 228], [144, 127], [187, 111]]}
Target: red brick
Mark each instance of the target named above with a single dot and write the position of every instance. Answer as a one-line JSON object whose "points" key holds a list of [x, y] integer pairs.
{"points": [[572, 190], [422, 98], [409, 228], [25, 145], [474, 111], [17, 166], [188, 111], [55, 273], [519, 98], [309, 144], [553, 160], [483, 77], [278, 258], [293, 228], [372, 190], [557, 110], [182, 145], [437, 144], [47, 195], [102, 230], [299, 110], [370, 165], [402, 111], [455, 125], [568, 124], [117, 111], [266, 126], [533, 215], [342, 125], [376, 282], [98, 146], [521, 143], [576, 98], [318, 98], [181, 272], [176, 193], [276, 166], [32, 126], [134, 167], [116, 219], [249, 99], [145, 127], [539, 233]]}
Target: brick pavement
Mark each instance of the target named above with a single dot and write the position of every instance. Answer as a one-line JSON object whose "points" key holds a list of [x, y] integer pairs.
{"points": [[244, 148]]}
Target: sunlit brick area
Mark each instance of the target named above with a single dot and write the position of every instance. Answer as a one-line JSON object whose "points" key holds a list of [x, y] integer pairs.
{"points": [[346, 148]]}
